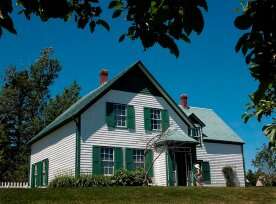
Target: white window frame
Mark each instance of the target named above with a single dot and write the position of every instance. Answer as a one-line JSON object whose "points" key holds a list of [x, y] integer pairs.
{"points": [[35, 174], [106, 161], [138, 158], [120, 115], [197, 134], [156, 122], [44, 177]]}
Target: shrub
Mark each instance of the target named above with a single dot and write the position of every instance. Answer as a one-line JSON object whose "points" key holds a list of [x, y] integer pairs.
{"points": [[121, 178], [131, 178], [81, 181], [229, 176]]}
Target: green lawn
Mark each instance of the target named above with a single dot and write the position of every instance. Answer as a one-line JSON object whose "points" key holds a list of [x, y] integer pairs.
{"points": [[141, 195]]}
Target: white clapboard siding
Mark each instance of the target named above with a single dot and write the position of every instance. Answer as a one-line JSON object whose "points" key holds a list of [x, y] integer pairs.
{"points": [[160, 174], [59, 147], [94, 130], [220, 155]]}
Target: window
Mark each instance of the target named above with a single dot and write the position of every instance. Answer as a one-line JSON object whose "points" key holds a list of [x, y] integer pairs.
{"points": [[107, 158], [138, 158], [197, 134], [156, 119], [120, 115], [44, 176], [35, 175]]}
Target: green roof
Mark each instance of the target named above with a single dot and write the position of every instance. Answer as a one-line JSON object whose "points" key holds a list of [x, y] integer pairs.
{"points": [[81, 105], [176, 136], [215, 128]]}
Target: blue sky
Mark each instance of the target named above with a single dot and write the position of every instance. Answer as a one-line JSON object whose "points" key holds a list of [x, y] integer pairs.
{"points": [[208, 69]]}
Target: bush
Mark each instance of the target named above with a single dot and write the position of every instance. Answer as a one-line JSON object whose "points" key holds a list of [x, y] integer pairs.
{"points": [[251, 178], [131, 178], [229, 176], [121, 178], [81, 181]]}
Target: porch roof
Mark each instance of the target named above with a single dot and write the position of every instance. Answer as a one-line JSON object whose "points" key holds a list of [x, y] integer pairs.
{"points": [[176, 136]]}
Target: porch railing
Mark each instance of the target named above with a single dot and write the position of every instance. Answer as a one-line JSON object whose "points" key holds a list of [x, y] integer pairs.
{"points": [[6, 184]]}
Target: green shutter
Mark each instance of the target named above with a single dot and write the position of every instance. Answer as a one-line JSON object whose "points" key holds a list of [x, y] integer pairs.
{"points": [[149, 160], [130, 117], [129, 159], [46, 171], [39, 172], [147, 119], [165, 120], [97, 167], [110, 115], [170, 178], [205, 167], [118, 159], [33, 176]]}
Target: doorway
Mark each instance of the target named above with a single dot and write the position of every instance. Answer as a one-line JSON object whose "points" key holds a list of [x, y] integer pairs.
{"points": [[183, 161], [180, 166]]}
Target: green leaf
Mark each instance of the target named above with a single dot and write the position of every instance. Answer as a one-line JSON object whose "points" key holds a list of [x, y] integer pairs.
{"points": [[7, 23], [243, 22], [185, 38], [241, 41], [92, 26], [259, 114], [122, 37], [197, 21], [115, 4], [246, 117], [167, 42], [82, 22], [117, 13], [203, 4], [103, 23]]}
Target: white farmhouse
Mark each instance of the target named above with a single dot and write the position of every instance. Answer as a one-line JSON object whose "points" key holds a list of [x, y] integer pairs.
{"points": [[110, 127]]}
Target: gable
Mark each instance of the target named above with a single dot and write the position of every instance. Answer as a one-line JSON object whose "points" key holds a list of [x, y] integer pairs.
{"points": [[136, 82], [120, 82]]}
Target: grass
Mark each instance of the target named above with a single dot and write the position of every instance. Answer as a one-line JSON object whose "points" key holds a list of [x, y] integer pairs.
{"points": [[139, 195]]}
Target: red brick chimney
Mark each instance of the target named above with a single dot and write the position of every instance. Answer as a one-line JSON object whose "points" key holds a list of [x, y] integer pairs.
{"points": [[103, 76], [184, 101]]}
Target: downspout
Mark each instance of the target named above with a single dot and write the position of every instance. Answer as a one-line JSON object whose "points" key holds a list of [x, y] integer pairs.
{"points": [[78, 145], [244, 172]]}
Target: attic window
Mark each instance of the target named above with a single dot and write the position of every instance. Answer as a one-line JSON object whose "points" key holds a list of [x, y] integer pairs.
{"points": [[120, 114], [156, 119], [196, 133]]}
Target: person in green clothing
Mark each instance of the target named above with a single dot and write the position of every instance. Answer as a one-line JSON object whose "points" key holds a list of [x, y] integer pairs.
{"points": [[198, 175]]}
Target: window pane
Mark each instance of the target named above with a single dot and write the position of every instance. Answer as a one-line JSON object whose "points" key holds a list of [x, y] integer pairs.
{"points": [[120, 114], [156, 119], [107, 160], [138, 158]]}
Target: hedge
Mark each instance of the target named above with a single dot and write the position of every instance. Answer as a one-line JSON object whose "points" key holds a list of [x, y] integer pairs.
{"points": [[121, 178]]}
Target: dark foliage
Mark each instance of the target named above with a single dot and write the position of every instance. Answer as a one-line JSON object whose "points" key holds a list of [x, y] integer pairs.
{"points": [[25, 108], [121, 178], [153, 21], [258, 45], [265, 163], [251, 178]]}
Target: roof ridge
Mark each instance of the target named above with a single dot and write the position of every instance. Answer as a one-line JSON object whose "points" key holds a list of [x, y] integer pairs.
{"points": [[201, 108]]}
